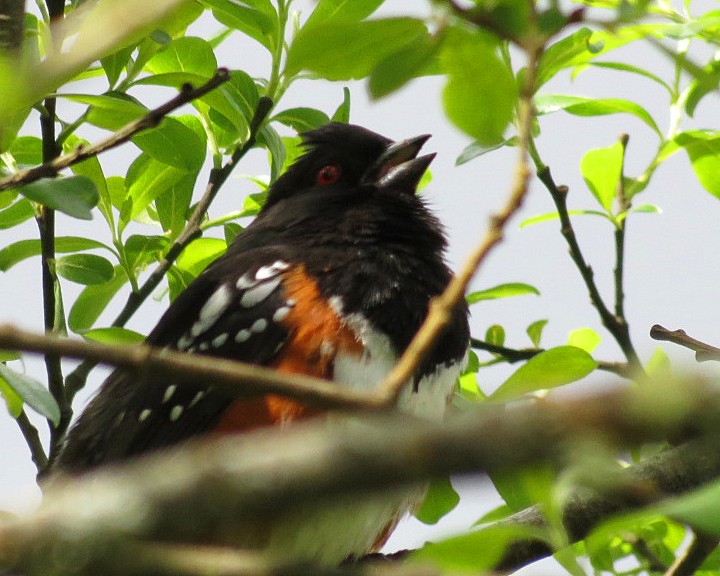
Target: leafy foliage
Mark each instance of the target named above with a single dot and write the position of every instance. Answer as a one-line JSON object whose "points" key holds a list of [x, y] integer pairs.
{"points": [[147, 212]]}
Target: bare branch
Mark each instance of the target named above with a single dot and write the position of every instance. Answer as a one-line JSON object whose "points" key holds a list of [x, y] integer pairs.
{"points": [[32, 439], [53, 166], [234, 378], [202, 491], [700, 548], [703, 352]]}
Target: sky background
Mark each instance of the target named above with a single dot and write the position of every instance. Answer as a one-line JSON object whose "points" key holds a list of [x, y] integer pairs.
{"points": [[671, 260]]}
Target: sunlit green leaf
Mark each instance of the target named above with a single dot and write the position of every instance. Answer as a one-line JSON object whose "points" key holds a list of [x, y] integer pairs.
{"points": [[147, 178], [17, 213], [23, 249], [555, 216], [141, 250], [76, 196], [624, 67], [477, 75], [476, 149], [535, 330], [109, 111], [549, 369], [524, 487], [257, 23], [185, 54], [12, 399], [86, 269], [302, 119], [114, 335], [173, 205], [348, 10], [115, 63], [402, 65], [440, 500], [703, 149], [91, 168], [602, 168], [495, 334], [346, 50], [502, 291], [174, 144], [585, 339], [93, 300], [32, 393], [342, 114], [582, 106]]}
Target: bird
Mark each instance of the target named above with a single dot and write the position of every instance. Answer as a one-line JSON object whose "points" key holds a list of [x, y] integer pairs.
{"points": [[332, 279]]}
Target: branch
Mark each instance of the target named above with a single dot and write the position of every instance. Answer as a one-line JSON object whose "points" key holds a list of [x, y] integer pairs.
{"points": [[512, 355], [673, 472], [616, 325], [200, 491], [441, 307], [32, 439], [700, 548], [234, 378], [53, 166], [703, 352]]}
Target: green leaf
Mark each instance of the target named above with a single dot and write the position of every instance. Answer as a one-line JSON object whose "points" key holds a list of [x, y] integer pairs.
{"points": [[109, 111], [32, 393], [561, 54], [17, 213], [92, 169], [402, 65], [480, 94], [342, 114], [535, 330], [141, 250], [342, 50], [185, 54], [173, 205], [114, 335], [147, 178], [475, 149], [602, 168], [23, 249], [475, 551], [555, 216], [582, 106], [174, 144], [549, 369], [347, 10], [440, 500], [495, 335], [703, 149], [623, 67], [275, 147], [699, 508], [93, 300], [86, 269], [302, 119], [27, 151], [231, 230], [115, 63], [199, 254], [76, 196], [12, 400], [256, 21], [502, 291], [585, 339], [526, 486]]}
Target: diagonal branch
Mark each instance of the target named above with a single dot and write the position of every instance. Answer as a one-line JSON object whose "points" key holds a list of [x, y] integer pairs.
{"points": [[52, 167], [234, 378], [703, 352], [441, 307]]}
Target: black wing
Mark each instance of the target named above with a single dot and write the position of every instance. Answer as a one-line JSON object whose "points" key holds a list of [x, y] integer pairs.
{"points": [[232, 310]]}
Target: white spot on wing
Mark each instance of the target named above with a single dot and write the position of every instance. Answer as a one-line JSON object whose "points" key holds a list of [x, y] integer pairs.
{"points": [[257, 294], [169, 391], [220, 340], [242, 336], [245, 282], [259, 325], [281, 314], [184, 341], [176, 412], [144, 415], [196, 398], [212, 310], [336, 304], [266, 272]]}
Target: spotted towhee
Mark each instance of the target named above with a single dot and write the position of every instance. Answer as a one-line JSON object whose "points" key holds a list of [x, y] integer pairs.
{"points": [[332, 279]]}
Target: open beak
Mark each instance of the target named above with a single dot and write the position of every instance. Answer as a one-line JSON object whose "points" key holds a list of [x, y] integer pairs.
{"points": [[399, 167]]}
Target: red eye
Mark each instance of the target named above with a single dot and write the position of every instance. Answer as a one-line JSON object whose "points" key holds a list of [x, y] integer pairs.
{"points": [[328, 175]]}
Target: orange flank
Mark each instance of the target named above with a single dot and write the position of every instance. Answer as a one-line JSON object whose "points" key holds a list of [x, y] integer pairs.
{"points": [[316, 335]]}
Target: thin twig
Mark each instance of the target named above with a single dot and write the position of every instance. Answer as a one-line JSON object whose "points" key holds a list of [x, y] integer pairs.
{"points": [[703, 352], [53, 166], [616, 325], [700, 548], [76, 380], [620, 232], [32, 439], [234, 378], [512, 355], [441, 307]]}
